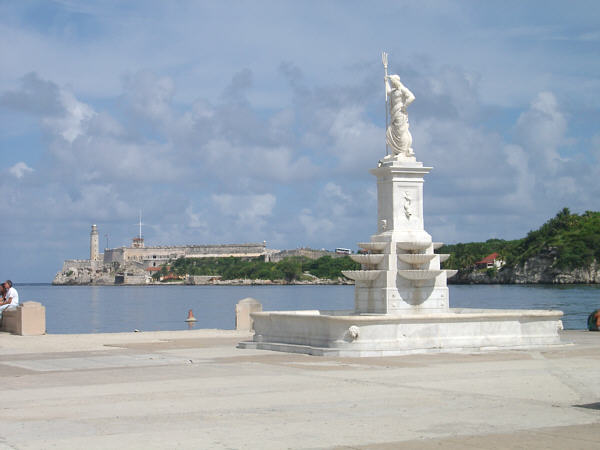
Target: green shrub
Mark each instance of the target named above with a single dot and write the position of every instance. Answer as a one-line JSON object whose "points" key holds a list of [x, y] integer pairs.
{"points": [[572, 239], [289, 269]]}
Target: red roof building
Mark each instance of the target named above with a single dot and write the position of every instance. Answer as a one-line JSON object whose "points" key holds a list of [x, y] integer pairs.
{"points": [[493, 260]]}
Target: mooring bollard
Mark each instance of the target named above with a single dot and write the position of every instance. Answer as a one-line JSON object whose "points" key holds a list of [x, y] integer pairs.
{"points": [[190, 317]]}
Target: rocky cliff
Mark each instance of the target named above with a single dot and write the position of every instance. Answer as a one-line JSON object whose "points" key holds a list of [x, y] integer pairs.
{"points": [[78, 275], [538, 269]]}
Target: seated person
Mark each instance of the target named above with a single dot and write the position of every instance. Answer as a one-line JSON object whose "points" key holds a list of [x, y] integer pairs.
{"points": [[11, 297]]}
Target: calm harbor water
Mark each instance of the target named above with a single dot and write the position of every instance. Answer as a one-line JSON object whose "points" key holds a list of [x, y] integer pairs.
{"points": [[99, 309]]}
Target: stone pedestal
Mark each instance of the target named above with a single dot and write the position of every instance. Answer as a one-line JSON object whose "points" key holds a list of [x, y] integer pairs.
{"points": [[401, 272], [243, 319]]}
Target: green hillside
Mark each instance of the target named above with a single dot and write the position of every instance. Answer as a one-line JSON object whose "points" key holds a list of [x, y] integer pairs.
{"points": [[574, 238], [289, 269]]}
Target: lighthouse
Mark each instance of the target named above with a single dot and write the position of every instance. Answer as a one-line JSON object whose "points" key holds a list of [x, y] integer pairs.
{"points": [[94, 244]]}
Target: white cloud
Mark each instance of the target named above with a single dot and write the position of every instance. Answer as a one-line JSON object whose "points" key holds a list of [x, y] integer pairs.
{"points": [[195, 219], [542, 130], [357, 142], [149, 95], [74, 119], [20, 169], [315, 226], [249, 210]]}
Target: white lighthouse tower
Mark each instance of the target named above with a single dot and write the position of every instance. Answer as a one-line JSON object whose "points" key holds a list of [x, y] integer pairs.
{"points": [[94, 244]]}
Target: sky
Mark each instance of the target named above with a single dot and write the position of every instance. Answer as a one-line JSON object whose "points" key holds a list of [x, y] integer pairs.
{"points": [[251, 121]]}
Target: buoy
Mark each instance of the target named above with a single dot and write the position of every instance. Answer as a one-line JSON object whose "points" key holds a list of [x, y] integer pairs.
{"points": [[191, 317]]}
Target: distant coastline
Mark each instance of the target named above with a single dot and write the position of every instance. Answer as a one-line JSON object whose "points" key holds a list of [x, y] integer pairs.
{"points": [[211, 264], [234, 282], [564, 250]]}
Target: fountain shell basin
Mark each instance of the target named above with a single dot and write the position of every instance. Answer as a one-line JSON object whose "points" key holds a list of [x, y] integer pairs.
{"points": [[369, 260], [443, 257], [416, 258], [413, 245], [363, 275], [418, 275], [373, 246]]}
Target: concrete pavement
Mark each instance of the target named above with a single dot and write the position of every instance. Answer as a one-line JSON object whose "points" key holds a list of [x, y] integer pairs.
{"points": [[194, 389]]}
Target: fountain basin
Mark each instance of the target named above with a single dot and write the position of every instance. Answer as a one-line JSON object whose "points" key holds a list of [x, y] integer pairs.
{"points": [[343, 333]]}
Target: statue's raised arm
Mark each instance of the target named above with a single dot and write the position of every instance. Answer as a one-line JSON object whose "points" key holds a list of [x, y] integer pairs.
{"points": [[398, 136]]}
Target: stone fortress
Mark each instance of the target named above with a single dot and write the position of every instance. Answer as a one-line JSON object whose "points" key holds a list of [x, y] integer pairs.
{"points": [[135, 264]]}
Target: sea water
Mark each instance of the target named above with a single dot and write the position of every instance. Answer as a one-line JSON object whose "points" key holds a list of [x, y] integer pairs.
{"points": [[100, 309]]}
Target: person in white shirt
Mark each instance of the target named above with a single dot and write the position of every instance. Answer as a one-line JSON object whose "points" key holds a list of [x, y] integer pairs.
{"points": [[12, 297]]}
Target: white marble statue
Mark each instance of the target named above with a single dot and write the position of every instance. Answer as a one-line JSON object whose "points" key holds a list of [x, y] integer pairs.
{"points": [[398, 135]]}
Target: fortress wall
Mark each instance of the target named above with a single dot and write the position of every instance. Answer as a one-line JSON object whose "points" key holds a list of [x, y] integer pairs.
{"points": [[227, 250], [199, 251], [156, 256], [70, 264], [193, 251], [114, 255], [306, 252]]}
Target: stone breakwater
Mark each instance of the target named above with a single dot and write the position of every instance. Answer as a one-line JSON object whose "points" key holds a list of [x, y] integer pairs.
{"points": [[539, 269]]}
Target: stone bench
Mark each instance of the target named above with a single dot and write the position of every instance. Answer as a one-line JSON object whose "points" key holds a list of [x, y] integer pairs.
{"points": [[27, 319]]}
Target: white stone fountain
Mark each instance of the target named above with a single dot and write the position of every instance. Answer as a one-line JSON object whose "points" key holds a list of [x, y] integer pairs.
{"points": [[401, 301]]}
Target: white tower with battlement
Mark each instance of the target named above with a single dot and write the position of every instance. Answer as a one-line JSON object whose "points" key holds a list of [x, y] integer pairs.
{"points": [[94, 244]]}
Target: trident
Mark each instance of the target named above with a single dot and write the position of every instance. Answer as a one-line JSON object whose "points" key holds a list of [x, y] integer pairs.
{"points": [[384, 60]]}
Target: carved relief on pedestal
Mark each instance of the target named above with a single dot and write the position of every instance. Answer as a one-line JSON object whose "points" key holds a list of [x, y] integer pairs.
{"points": [[408, 210], [353, 333]]}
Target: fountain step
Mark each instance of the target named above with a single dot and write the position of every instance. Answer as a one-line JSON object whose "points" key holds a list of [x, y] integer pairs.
{"points": [[451, 273], [416, 258], [444, 257], [437, 245], [373, 246], [369, 260], [363, 275]]}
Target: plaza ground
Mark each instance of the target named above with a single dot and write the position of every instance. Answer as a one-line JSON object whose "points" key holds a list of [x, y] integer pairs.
{"points": [[195, 389]]}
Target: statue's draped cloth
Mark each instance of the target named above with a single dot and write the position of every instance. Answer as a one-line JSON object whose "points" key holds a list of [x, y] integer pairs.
{"points": [[398, 135]]}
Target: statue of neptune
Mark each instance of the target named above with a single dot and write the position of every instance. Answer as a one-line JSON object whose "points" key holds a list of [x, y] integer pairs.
{"points": [[398, 136]]}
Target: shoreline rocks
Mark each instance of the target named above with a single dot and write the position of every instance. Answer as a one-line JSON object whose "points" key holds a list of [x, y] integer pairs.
{"points": [[235, 282], [538, 269]]}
